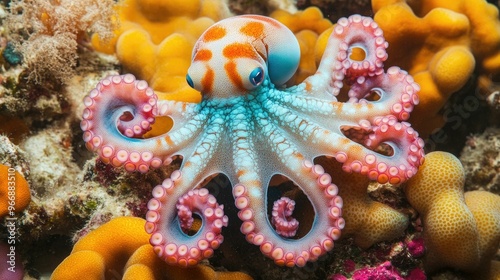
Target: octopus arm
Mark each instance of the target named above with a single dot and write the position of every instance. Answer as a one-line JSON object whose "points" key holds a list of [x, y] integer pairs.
{"points": [[356, 49], [394, 93], [120, 110], [253, 176], [327, 138], [171, 210]]}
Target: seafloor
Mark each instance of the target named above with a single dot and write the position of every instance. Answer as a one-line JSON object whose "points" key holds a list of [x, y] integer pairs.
{"points": [[49, 64]]}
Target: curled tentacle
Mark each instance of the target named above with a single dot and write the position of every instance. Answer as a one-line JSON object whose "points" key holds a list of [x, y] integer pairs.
{"points": [[120, 110], [397, 92], [252, 187], [282, 219], [404, 140], [356, 49], [170, 243], [407, 152], [329, 140], [167, 237], [326, 227], [362, 51]]}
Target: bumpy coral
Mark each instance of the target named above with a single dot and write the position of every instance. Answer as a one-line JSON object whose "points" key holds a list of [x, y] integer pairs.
{"points": [[250, 127], [440, 43], [485, 208], [127, 256], [13, 156], [460, 231], [14, 192]]}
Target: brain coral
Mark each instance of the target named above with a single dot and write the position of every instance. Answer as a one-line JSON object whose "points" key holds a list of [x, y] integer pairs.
{"points": [[460, 231]]}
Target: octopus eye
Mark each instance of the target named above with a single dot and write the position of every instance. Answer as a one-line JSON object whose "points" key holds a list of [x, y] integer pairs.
{"points": [[189, 81], [257, 76]]}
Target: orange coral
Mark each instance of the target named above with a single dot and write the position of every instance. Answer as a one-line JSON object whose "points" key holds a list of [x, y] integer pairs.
{"points": [[120, 248], [440, 43], [14, 191], [460, 231]]}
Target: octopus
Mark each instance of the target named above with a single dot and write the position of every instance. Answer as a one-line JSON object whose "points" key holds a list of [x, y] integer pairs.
{"points": [[250, 126]]}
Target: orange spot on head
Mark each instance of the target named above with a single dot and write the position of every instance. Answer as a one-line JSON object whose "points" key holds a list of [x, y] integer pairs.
{"points": [[262, 18], [208, 80], [202, 55], [253, 29], [233, 75], [238, 50], [214, 33]]}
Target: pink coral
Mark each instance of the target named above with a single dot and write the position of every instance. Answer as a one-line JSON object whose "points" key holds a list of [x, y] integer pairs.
{"points": [[416, 247], [384, 271]]}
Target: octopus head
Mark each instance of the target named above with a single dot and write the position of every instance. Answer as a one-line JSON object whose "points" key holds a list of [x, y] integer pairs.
{"points": [[236, 56], [235, 71]]}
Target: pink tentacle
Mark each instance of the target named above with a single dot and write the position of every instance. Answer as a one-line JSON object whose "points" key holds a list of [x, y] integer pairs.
{"points": [[363, 33], [282, 219], [174, 246], [407, 154], [339, 64], [397, 94], [120, 110], [320, 239]]}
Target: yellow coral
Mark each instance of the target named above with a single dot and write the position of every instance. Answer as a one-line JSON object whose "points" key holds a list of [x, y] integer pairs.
{"points": [[485, 208], [436, 192], [14, 191], [306, 25], [366, 220], [460, 231], [121, 246], [144, 264], [440, 43], [155, 40]]}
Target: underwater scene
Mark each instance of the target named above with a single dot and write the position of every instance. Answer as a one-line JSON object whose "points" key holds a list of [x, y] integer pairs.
{"points": [[249, 139]]}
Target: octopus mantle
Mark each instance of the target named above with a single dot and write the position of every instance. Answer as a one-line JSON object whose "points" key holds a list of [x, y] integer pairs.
{"points": [[249, 126]]}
